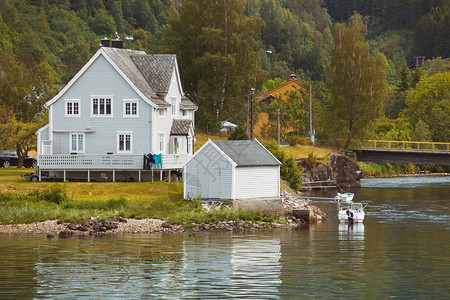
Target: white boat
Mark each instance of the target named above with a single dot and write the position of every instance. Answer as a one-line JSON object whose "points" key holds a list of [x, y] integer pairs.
{"points": [[346, 197], [351, 212]]}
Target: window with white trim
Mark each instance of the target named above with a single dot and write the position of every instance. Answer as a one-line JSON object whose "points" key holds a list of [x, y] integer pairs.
{"points": [[174, 105], [130, 109], [161, 142], [76, 142], [162, 112], [124, 142], [189, 145], [73, 108], [184, 112], [102, 106]]}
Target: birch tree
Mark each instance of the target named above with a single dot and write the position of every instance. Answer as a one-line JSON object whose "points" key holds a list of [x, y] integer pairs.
{"points": [[358, 83]]}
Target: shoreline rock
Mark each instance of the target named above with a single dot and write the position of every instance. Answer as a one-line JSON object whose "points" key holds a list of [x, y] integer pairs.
{"points": [[120, 225]]}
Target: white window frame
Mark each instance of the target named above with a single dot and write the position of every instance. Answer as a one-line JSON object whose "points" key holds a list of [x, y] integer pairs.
{"points": [[72, 115], [124, 133], [77, 134], [162, 142], [184, 113], [189, 144], [130, 102], [173, 102], [162, 112], [104, 115]]}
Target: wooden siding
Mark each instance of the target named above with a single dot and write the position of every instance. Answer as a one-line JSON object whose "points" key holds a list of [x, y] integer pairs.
{"points": [[209, 175], [101, 79], [254, 182]]}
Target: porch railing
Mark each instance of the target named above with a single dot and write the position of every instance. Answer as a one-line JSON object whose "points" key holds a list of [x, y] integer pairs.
{"points": [[107, 162]]}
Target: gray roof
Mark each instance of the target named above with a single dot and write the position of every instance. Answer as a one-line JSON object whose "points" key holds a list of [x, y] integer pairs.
{"points": [[187, 104], [246, 153], [151, 74], [181, 127]]}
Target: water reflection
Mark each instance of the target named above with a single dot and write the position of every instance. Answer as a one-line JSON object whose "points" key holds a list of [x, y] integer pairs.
{"points": [[203, 266]]}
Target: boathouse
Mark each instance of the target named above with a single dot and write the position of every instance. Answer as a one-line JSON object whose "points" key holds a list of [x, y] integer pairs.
{"points": [[232, 170]]}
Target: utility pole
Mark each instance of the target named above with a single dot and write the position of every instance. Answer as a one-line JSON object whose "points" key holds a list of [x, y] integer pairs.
{"points": [[278, 111], [248, 115], [251, 114], [311, 132]]}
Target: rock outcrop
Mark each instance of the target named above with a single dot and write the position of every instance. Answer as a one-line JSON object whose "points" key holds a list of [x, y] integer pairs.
{"points": [[341, 171]]}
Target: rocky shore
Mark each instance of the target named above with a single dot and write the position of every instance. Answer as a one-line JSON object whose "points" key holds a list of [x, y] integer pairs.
{"points": [[119, 225]]}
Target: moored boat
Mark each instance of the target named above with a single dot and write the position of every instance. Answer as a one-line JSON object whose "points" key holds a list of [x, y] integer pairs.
{"points": [[351, 212], [345, 197]]}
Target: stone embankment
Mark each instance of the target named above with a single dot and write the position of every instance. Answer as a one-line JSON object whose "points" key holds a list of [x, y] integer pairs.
{"points": [[93, 226]]}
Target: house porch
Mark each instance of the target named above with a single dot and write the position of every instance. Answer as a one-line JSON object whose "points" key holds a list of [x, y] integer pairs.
{"points": [[108, 167]]}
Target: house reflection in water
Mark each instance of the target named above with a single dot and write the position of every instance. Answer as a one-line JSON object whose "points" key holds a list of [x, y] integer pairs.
{"points": [[237, 267]]}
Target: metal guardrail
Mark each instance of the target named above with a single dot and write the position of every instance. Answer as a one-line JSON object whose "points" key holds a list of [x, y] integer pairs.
{"points": [[406, 145]]}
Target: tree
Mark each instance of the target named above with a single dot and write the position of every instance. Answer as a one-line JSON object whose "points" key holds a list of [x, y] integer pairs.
{"points": [[292, 114], [216, 48], [429, 104], [358, 83], [16, 134]]}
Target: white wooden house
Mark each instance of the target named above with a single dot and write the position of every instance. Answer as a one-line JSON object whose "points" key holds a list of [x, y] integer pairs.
{"points": [[121, 105], [231, 170]]}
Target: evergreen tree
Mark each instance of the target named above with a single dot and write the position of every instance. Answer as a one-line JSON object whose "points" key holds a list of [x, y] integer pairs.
{"points": [[216, 47]]}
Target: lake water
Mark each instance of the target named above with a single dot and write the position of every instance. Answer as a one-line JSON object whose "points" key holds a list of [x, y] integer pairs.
{"points": [[402, 250]]}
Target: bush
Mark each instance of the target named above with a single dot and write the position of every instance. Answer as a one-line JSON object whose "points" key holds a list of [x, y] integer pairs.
{"points": [[238, 134], [54, 194], [289, 170], [311, 161]]}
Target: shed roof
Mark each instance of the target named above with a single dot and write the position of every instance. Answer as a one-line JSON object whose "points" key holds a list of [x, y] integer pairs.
{"points": [[247, 153]]}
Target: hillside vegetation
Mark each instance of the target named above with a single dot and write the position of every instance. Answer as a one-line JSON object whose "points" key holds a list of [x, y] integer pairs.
{"points": [[400, 50]]}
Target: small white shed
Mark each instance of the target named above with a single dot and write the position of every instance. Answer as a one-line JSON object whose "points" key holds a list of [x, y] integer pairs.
{"points": [[231, 170]]}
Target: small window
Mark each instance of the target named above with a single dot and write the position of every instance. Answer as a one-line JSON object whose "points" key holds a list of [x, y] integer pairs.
{"points": [[162, 112], [189, 145], [72, 108], [102, 106], [124, 142], [184, 112], [77, 143], [130, 109], [161, 143], [174, 105]]}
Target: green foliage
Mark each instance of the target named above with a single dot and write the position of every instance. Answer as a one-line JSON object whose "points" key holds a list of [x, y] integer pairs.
{"points": [[392, 130], [289, 170], [238, 134], [216, 47], [358, 83], [432, 29], [311, 161], [292, 111], [386, 169], [429, 102], [54, 194]]}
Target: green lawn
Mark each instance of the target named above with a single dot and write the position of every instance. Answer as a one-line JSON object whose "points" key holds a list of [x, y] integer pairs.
{"points": [[22, 201]]}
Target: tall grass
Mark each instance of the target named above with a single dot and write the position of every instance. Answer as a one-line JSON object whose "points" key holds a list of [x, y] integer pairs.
{"points": [[53, 203], [386, 169]]}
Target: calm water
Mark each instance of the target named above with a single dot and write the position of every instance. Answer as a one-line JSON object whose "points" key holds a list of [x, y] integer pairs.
{"points": [[401, 251]]}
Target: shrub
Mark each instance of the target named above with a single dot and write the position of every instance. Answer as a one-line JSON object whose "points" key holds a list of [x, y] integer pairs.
{"points": [[311, 161], [54, 194], [289, 170], [238, 134]]}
